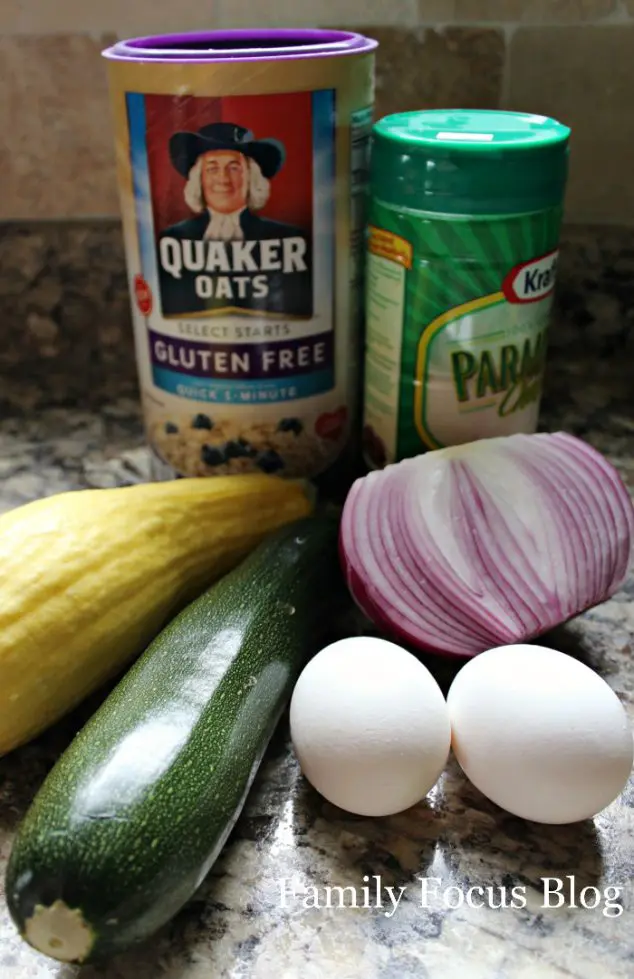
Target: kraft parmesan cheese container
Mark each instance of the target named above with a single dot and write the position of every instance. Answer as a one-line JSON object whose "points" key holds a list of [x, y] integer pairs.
{"points": [[243, 172], [462, 254]]}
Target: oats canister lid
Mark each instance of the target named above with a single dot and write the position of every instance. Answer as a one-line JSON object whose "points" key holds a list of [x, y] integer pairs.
{"points": [[238, 44], [456, 161]]}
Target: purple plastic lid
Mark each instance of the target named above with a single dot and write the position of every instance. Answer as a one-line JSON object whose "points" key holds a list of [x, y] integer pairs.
{"points": [[240, 45]]}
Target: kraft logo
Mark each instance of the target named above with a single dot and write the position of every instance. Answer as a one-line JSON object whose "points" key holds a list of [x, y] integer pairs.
{"points": [[530, 281]]}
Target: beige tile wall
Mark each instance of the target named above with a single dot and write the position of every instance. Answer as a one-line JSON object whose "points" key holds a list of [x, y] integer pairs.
{"points": [[573, 59]]}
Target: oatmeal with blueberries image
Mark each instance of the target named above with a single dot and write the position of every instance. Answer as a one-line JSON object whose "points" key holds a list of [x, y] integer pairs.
{"points": [[200, 445]]}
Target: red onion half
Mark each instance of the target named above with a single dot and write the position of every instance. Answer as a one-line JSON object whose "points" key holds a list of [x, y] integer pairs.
{"points": [[487, 544]]}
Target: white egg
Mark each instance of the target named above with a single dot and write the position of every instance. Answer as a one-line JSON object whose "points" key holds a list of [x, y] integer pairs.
{"points": [[539, 733], [369, 726]]}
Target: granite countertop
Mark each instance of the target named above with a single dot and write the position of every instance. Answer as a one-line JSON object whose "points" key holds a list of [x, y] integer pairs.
{"points": [[236, 926]]}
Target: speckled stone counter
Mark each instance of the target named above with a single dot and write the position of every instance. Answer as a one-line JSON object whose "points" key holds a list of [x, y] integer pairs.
{"points": [[237, 927]]}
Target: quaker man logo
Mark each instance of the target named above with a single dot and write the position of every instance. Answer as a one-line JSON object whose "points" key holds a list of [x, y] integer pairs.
{"points": [[227, 255]]}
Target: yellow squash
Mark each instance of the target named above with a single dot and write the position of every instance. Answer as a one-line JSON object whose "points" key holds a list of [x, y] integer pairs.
{"points": [[88, 578]]}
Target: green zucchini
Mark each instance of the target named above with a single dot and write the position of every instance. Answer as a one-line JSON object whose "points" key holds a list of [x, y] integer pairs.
{"points": [[133, 815]]}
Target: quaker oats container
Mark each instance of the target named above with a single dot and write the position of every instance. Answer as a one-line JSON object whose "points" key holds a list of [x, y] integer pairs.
{"points": [[242, 163]]}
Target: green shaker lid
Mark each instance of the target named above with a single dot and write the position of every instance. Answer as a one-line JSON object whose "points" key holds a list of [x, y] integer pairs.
{"points": [[474, 161]]}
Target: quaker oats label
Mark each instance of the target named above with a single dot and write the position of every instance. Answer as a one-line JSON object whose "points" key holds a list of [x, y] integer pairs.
{"points": [[242, 343]]}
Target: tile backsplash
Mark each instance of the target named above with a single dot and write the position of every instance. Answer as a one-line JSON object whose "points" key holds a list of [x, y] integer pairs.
{"points": [[567, 58]]}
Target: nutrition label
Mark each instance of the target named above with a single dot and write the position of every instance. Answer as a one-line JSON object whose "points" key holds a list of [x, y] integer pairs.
{"points": [[360, 132], [388, 259]]}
